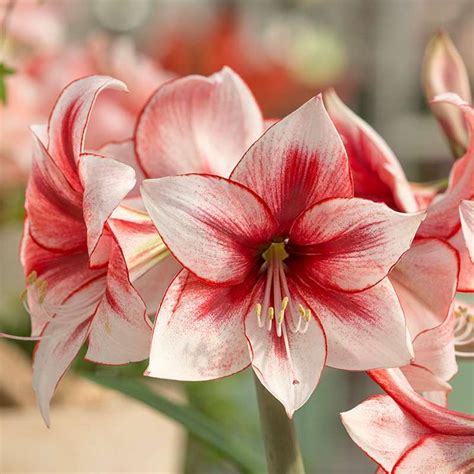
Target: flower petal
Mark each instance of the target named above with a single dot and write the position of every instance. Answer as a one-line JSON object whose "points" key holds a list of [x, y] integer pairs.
{"points": [[120, 332], [152, 285], [351, 244], [442, 219], [53, 207], [466, 211], [51, 278], [213, 226], [377, 173], [197, 124], [363, 330], [52, 356], [199, 331], [425, 280], [423, 380], [444, 71], [69, 119], [382, 429], [466, 267], [288, 366], [434, 349], [298, 162], [124, 152], [438, 453], [106, 183], [433, 416]]}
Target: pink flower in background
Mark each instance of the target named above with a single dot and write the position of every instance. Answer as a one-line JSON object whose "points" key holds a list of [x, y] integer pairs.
{"points": [[280, 261], [39, 78], [405, 433], [193, 124], [78, 287]]}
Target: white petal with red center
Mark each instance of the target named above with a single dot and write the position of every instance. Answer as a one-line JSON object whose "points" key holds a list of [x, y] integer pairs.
{"points": [[69, 119], [53, 355], [466, 211], [61, 340], [288, 363], [120, 331], [51, 277], [440, 454], [363, 330], [199, 331], [351, 244], [382, 429], [106, 183], [377, 173], [54, 208], [197, 124], [435, 417], [298, 162], [429, 264], [216, 228]]}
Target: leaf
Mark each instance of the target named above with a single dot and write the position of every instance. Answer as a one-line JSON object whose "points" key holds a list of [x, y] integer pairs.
{"points": [[201, 427], [4, 72]]}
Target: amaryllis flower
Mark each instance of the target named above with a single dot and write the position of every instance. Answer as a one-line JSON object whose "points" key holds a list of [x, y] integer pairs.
{"points": [[444, 71], [405, 433], [78, 287], [283, 268], [192, 124], [426, 276]]}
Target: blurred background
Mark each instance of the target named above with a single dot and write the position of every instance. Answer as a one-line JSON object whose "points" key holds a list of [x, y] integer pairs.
{"points": [[287, 51]]}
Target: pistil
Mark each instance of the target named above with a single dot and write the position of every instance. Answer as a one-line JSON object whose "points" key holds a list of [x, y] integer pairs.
{"points": [[283, 310]]}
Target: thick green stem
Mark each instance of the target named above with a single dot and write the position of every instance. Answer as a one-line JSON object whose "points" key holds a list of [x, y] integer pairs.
{"points": [[281, 445]]}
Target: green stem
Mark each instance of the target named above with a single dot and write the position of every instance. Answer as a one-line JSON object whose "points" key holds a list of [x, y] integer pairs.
{"points": [[281, 445]]}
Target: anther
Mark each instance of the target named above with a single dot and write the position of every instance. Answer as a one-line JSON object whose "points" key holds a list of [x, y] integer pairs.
{"points": [[271, 315], [258, 312]]}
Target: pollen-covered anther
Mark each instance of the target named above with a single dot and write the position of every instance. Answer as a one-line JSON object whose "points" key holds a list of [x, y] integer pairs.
{"points": [[258, 312]]}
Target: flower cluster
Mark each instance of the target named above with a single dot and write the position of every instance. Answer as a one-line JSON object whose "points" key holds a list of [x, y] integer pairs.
{"points": [[285, 246]]}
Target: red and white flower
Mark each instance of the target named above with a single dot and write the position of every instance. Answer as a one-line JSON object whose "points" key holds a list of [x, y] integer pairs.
{"points": [[426, 276], [78, 286], [405, 433], [280, 261], [192, 124]]}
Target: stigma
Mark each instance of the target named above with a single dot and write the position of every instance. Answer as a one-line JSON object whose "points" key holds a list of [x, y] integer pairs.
{"points": [[463, 331], [278, 310]]}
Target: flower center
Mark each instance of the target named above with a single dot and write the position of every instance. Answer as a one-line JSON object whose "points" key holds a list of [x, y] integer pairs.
{"points": [[278, 308], [463, 331]]}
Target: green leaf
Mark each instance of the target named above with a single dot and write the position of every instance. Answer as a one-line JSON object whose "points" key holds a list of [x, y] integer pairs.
{"points": [[204, 429], [4, 72]]}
